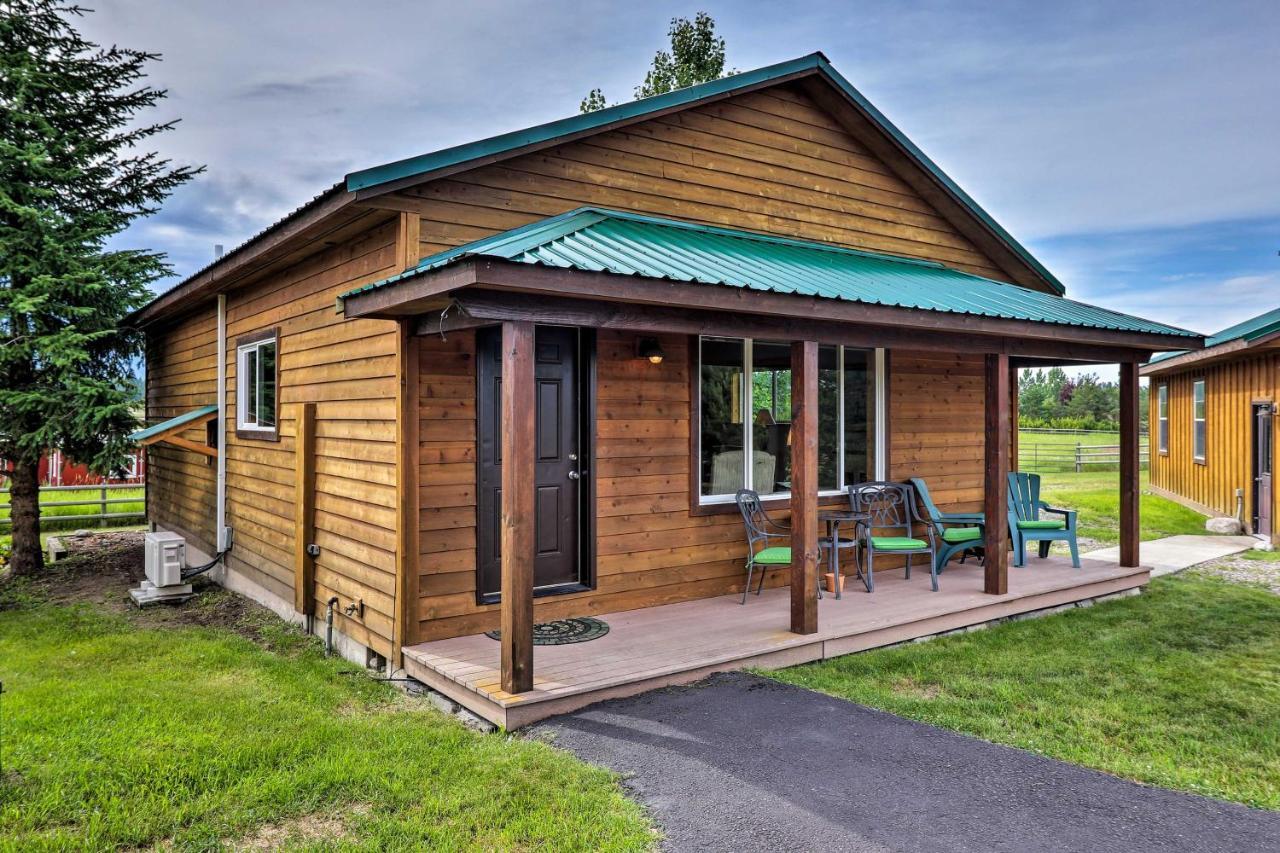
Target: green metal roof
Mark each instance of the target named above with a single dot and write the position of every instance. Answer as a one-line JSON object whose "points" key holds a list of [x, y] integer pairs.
{"points": [[597, 240], [165, 426], [635, 110], [1247, 331]]}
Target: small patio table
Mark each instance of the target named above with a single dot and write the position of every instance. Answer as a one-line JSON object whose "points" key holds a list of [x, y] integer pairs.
{"points": [[834, 518]]}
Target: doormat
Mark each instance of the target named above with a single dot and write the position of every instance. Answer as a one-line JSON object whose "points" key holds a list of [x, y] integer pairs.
{"points": [[562, 632]]}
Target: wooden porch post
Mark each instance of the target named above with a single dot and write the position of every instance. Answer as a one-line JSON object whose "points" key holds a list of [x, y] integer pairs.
{"points": [[1013, 418], [804, 487], [1129, 463], [517, 447], [996, 482]]}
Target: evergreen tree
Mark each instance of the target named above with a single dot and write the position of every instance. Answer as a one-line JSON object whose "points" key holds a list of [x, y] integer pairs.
{"points": [[696, 56], [72, 175]]}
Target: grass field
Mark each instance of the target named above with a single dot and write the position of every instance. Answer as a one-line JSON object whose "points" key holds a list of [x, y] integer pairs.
{"points": [[1096, 497], [71, 517], [119, 732], [1177, 687]]}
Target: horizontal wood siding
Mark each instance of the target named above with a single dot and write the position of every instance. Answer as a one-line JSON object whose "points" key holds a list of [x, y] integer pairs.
{"points": [[182, 374], [1231, 388], [348, 368], [767, 161], [936, 404]]}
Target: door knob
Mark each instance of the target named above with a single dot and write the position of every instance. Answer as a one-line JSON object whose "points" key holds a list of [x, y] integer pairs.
{"points": [[573, 475]]}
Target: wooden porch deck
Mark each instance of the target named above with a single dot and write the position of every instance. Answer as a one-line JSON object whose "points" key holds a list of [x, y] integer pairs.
{"points": [[680, 643]]}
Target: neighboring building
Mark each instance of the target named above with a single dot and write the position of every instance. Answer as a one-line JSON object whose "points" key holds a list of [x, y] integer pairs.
{"points": [[1212, 416], [772, 225]]}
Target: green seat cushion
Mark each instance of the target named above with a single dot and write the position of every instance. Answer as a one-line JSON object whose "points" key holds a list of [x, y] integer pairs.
{"points": [[961, 534], [898, 543], [776, 556], [1042, 525]]}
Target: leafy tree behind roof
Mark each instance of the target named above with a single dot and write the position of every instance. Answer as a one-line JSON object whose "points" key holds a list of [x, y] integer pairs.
{"points": [[696, 56], [74, 172]]}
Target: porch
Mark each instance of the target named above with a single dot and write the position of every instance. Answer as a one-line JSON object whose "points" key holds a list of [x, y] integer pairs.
{"points": [[679, 643]]}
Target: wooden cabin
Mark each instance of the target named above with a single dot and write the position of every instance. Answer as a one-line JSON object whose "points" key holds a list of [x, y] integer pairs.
{"points": [[1212, 415], [521, 379]]}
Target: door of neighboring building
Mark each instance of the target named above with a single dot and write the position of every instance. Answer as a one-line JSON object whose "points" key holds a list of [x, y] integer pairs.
{"points": [[1263, 451], [562, 358]]}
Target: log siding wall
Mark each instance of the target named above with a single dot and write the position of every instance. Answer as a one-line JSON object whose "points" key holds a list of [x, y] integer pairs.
{"points": [[1231, 388], [182, 374], [348, 368], [770, 161]]}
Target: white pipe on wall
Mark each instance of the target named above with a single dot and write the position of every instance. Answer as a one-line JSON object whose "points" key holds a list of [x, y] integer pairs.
{"points": [[220, 501]]}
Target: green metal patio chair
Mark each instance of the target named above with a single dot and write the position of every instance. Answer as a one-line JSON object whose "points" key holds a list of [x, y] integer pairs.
{"points": [[959, 532], [891, 508], [1026, 525], [761, 529]]}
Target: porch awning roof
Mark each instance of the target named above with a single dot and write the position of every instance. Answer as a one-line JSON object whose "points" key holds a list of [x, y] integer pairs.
{"points": [[598, 240], [156, 432]]}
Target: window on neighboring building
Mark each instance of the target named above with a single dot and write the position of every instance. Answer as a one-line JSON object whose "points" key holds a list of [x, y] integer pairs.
{"points": [[1162, 418], [257, 375], [1197, 420], [745, 403]]}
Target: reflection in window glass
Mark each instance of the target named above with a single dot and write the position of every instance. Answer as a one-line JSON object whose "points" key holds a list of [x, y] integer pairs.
{"points": [[1197, 419], [721, 420], [828, 418], [267, 385], [859, 415], [771, 417]]}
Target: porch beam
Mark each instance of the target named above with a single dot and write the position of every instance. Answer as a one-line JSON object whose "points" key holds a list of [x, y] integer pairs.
{"points": [[476, 307], [1129, 464], [804, 487], [996, 474], [518, 511], [406, 295]]}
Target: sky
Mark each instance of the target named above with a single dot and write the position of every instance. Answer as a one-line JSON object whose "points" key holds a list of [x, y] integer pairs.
{"points": [[1132, 147]]}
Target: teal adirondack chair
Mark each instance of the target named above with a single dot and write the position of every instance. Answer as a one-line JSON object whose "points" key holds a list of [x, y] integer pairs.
{"points": [[1026, 525], [958, 532]]}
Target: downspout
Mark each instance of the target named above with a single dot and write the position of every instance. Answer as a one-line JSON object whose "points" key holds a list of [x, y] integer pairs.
{"points": [[221, 534]]}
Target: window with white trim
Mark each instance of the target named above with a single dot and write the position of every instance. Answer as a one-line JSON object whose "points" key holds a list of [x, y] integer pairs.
{"points": [[745, 402], [256, 380], [1197, 420], [1162, 417]]}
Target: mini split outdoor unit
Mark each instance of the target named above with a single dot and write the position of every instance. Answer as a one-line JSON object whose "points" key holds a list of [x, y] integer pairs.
{"points": [[166, 557]]}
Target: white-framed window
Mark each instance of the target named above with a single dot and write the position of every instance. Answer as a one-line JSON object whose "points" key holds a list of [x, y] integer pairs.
{"points": [[744, 404], [1197, 420], [257, 375], [1162, 418]]}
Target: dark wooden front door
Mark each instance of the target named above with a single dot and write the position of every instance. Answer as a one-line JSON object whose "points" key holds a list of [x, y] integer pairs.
{"points": [[1262, 460], [559, 462]]}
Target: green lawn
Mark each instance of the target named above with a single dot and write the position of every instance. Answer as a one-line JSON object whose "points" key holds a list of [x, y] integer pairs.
{"points": [[1178, 687], [1096, 497], [118, 731]]}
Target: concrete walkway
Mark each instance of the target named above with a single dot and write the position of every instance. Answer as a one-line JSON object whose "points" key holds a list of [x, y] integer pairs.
{"points": [[1175, 553], [742, 763]]}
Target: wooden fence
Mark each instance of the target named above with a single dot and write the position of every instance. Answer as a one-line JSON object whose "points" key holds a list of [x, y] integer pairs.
{"points": [[1077, 458], [99, 497]]}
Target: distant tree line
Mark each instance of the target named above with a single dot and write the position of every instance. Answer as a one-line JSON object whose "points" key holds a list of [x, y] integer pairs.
{"points": [[1049, 399]]}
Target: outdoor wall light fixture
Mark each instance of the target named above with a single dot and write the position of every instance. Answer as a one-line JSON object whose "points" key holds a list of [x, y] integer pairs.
{"points": [[650, 348]]}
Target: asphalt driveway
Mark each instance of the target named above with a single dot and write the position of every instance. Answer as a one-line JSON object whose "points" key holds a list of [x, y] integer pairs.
{"points": [[742, 763]]}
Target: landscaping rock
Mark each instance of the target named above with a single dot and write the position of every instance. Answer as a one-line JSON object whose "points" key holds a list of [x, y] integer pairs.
{"points": [[1263, 545], [1224, 526]]}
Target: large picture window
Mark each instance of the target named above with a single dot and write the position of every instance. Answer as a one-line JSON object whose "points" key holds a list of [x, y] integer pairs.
{"points": [[1197, 420], [256, 381], [1162, 418], [744, 420]]}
